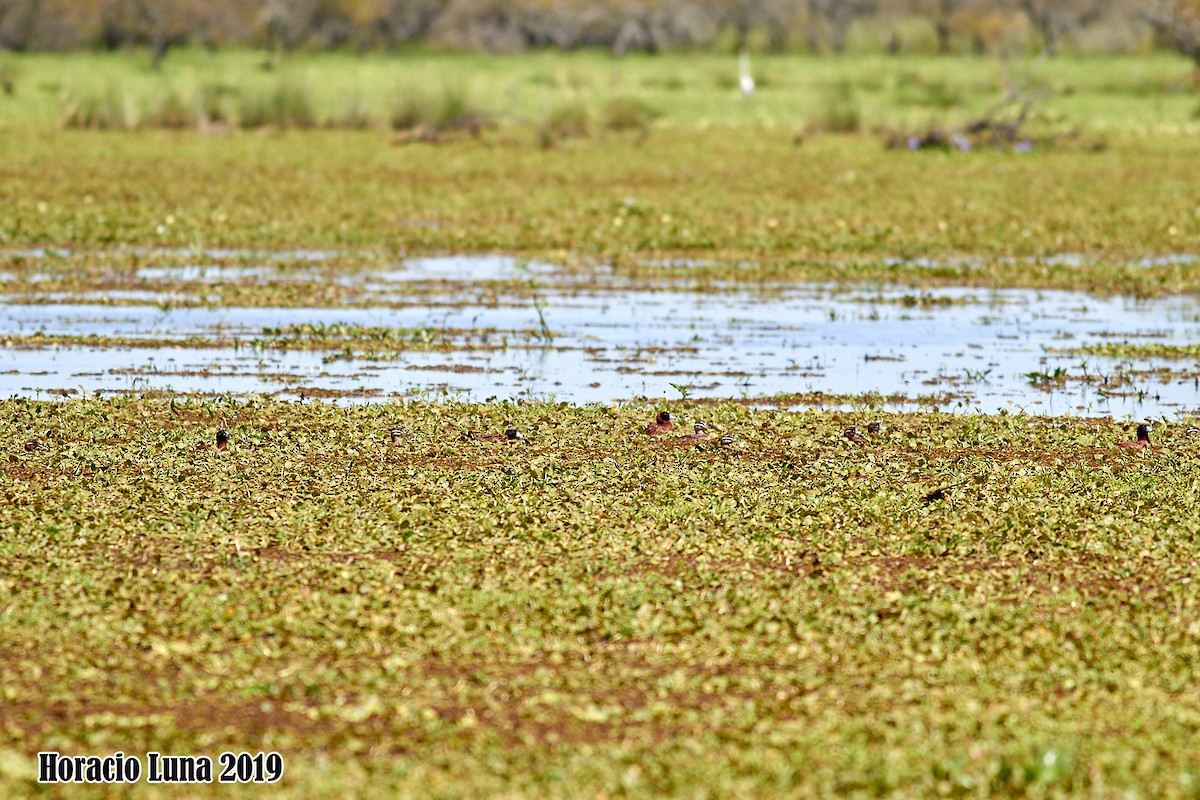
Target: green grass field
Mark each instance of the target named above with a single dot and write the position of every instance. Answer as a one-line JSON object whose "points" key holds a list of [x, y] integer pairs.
{"points": [[965, 606], [1138, 93]]}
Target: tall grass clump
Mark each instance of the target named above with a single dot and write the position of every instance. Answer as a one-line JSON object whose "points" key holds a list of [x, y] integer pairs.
{"points": [[563, 122], [108, 109], [286, 104], [629, 114], [355, 114], [915, 89], [213, 104], [431, 113], [839, 112], [8, 78], [170, 110]]}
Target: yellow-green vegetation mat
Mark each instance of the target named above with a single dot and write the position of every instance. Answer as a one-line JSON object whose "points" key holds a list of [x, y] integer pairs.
{"points": [[962, 606], [834, 207]]}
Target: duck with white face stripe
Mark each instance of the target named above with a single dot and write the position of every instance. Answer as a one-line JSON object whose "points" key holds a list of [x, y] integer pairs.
{"points": [[730, 441]]}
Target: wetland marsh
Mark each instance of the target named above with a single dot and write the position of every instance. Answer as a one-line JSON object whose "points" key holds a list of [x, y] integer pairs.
{"points": [[986, 598], [480, 327]]}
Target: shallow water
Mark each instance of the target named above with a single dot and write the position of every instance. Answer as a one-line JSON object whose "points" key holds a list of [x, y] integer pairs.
{"points": [[968, 349]]}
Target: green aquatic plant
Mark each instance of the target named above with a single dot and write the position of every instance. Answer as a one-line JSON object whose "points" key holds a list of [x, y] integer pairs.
{"points": [[539, 617]]}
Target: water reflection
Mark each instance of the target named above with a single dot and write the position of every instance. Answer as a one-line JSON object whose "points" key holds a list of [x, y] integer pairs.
{"points": [[969, 349]]}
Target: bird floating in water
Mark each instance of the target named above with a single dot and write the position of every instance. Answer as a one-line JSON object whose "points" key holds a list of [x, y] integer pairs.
{"points": [[853, 435], [222, 439], [397, 434]]}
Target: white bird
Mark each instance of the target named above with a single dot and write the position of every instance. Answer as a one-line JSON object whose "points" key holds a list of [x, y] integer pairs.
{"points": [[745, 79]]}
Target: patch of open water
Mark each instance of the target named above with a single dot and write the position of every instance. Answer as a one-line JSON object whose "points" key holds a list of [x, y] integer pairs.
{"points": [[973, 349]]}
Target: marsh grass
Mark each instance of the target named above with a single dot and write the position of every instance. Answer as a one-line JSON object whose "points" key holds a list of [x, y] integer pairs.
{"points": [[667, 83], [355, 114], [840, 111], [839, 208], [938, 93], [963, 606], [632, 114], [436, 111], [171, 110], [1127, 93], [214, 104], [1137, 350], [10, 73], [572, 119], [285, 103], [109, 109], [959, 606], [345, 339]]}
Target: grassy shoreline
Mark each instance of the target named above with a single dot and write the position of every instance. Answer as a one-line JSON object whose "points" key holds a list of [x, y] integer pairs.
{"points": [[835, 208], [712, 179]]}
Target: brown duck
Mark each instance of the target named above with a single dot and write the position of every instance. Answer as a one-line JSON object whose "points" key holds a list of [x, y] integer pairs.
{"points": [[662, 424], [1141, 442]]}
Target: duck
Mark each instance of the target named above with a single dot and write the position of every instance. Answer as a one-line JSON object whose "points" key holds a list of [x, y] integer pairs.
{"points": [[662, 424], [731, 442], [874, 427], [853, 435], [509, 435], [701, 433], [32, 445], [1141, 442], [397, 434], [222, 439]]}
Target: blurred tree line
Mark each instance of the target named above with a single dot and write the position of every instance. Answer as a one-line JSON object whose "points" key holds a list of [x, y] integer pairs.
{"points": [[820, 26]]}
